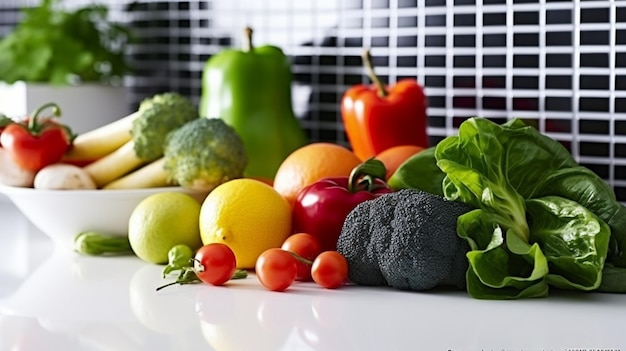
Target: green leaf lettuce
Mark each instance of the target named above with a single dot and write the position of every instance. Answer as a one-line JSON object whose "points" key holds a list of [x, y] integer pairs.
{"points": [[541, 220]]}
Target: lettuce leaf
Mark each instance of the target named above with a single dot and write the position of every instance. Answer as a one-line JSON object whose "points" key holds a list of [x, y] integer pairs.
{"points": [[542, 219], [573, 239], [498, 271]]}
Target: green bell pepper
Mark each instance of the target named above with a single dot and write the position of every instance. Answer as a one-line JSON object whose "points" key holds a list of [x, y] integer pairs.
{"points": [[250, 90]]}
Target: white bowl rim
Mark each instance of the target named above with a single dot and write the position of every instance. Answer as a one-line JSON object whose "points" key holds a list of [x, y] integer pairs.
{"points": [[15, 190]]}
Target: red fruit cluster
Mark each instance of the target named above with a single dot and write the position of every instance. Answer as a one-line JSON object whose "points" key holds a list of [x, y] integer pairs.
{"points": [[301, 258]]}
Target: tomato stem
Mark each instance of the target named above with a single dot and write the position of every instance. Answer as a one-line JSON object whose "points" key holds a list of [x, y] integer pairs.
{"points": [[4, 120], [365, 175], [166, 285], [33, 122], [178, 257], [187, 276], [367, 61], [300, 258], [197, 265]]}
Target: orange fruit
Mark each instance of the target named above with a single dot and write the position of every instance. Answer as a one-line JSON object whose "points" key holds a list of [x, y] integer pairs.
{"points": [[310, 163], [394, 156]]}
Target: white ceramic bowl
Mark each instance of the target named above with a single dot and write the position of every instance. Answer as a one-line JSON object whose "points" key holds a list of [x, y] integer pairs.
{"points": [[62, 214]]}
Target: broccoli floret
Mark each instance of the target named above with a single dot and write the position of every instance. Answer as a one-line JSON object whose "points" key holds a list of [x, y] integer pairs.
{"points": [[149, 126], [407, 240], [159, 115], [204, 153]]}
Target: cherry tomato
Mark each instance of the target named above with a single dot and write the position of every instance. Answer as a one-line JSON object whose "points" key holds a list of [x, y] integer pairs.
{"points": [[306, 246], [330, 269], [215, 263], [276, 269]]}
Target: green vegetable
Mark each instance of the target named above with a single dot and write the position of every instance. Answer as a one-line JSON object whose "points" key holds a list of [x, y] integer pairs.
{"points": [[200, 155], [582, 185], [613, 279], [178, 257], [250, 90], [419, 172], [181, 258], [204, 153], [406, 239], [157, 117], [542, 219], [61, 46], [573, 239], [99, 244]]}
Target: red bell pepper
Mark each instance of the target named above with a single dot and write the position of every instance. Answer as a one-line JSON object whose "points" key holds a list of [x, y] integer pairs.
{"points": [[378, 117], [321, 208], [37, 142]]}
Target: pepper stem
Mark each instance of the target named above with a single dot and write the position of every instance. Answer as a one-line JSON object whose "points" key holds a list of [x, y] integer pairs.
{"points": [[33, 123], [367, 61], [366, 174], [247, 39]]}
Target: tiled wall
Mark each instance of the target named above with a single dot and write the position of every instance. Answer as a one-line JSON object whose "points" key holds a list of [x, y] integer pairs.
{"points": [[559, 64]]}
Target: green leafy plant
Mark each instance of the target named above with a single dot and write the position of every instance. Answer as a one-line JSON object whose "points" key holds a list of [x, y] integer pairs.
{"points": [[61, 46], [541, 219]]}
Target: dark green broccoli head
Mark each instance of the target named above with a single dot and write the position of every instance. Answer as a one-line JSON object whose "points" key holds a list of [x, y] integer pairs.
{"points": [[407, 240], [357, 239], [204, 153], [158, 116]]}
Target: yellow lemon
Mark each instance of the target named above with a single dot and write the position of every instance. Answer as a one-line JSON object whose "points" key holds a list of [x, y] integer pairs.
{"points": [[247, 215], [161, 221]]}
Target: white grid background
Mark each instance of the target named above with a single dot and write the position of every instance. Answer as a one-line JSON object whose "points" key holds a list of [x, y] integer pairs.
{"points": [[560, 65]]}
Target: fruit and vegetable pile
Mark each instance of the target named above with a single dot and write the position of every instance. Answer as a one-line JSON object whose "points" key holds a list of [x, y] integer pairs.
{"points": [[500, 211]]}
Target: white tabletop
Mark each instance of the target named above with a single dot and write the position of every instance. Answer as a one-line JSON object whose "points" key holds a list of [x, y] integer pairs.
{"points": [[52, 300]]}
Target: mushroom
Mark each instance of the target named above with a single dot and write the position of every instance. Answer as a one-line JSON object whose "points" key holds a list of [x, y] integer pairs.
{"points": [[13, 175], [63, 176]]}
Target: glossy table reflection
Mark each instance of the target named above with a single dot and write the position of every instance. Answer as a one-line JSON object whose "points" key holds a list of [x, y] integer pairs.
{"points": [[58, 301]]}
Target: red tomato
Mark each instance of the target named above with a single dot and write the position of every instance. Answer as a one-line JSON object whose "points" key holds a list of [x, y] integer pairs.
{"points": [[276, 269], [330, 269], [215, 263], [38, 142], [307, 246]]}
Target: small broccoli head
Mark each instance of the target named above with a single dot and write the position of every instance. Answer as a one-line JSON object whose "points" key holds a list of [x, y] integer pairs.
{"points": [[357, 244], [407, 240], [204, 153], [158, 116]]}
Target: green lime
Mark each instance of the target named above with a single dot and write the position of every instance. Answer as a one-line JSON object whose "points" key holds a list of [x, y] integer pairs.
{"points": [[162, 221]]}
